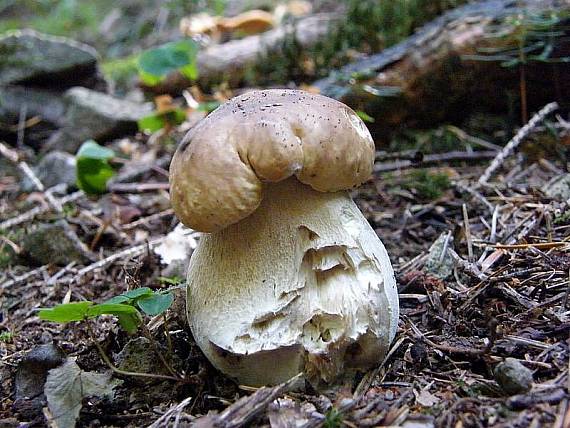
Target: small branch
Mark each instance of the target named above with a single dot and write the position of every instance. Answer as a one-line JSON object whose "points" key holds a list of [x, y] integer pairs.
{"points": [[467, 228], [136, 187], [243, 411], [468, 267], [462, 187], [32, 213], [492, 325], [24, 277], [462, 135], [437, 158], [25, 168], [538, 245], [174, 411], [516, 141], [129, 252]]}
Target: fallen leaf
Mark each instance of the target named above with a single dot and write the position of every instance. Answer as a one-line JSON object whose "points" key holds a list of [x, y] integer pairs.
{"points": [[66, 387], [425, 398]]}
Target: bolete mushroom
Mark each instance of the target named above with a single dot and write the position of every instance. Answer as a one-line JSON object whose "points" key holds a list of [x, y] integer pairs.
{"points": [[290, 277]]}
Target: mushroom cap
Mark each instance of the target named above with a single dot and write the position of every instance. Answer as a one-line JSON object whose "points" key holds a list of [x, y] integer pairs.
{"points": [[217, 173]]}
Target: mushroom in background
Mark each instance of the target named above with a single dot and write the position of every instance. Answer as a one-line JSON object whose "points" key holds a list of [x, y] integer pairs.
{"points": [[247, 23], [290, 278]]}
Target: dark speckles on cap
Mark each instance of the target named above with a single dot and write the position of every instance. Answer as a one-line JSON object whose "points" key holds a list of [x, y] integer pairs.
{"points": [[266, 136]]}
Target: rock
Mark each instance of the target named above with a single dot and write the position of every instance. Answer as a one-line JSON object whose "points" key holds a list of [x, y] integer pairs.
{"points": [[31, 376], [558, 188], [55, 168], [436, 265], [513, 377], [29, 57], [138, 356], [36, 101], [45, 105], [95, 115], [55, 243]]}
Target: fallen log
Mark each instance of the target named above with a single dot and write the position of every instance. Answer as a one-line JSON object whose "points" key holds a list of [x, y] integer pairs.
{"points": [[433, 76], [231, 61]]}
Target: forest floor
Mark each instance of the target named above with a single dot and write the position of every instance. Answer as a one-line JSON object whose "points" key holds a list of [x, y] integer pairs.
{"points": [[482, 268], [459, 319]]}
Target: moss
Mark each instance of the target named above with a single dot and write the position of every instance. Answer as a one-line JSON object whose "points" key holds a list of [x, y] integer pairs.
{"points": [[369, 26], [333, 419], [121, 71], [426, 185]]}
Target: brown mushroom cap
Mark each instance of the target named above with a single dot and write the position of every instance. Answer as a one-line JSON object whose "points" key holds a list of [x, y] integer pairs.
{"points": [[217, 173]]}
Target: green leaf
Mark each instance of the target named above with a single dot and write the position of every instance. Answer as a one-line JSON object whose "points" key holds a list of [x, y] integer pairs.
{"points": [[91, 150], [130, 322], [149, 79], [117, 299], [130, 295], [138, 292], [93, 168], [156, 121], [208, 106], [111, 309], [189, 71], [129, 316], [75, 311], [150, 124], [364, 116], [155, 64], [155, 304], [171, 280]]}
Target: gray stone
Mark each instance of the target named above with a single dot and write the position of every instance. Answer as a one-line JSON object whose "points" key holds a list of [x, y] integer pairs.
{"points": [[139, 356], [34, 101], [29, 57], [29, 103], [436, 265], [55, 168], [558, 188], [513, 377], [98, 116], [55, 243], [31, 376]]}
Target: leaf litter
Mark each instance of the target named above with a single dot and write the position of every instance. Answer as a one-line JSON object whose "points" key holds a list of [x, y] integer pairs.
{"points": [[503, 295]]}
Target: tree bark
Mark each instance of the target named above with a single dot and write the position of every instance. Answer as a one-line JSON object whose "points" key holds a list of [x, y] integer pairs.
{"points": [[429, 77], [231, 61]]}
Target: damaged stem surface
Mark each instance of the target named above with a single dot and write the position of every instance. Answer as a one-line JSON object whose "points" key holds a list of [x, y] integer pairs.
{"points": [[318, 298]]}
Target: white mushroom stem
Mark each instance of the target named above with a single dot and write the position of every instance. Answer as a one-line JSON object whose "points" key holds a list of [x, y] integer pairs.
{"points": [[302, 284]]}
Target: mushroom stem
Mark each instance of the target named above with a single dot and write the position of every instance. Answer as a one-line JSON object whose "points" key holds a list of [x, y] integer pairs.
{"points": [[302, 284]]}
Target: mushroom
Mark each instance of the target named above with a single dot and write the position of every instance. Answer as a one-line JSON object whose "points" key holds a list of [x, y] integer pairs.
{"points": [[290, 277]]}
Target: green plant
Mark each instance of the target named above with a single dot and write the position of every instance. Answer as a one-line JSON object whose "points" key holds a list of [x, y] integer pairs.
{"points": [[365, 116], [121, 71], [368, 26], [427, 186], [123, 306], [6, 336], [161, 120], [155, 64], [527, 37], [93, 168], [333, 419]]}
